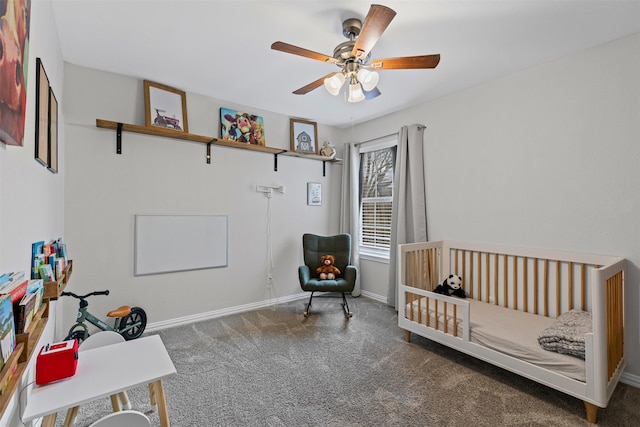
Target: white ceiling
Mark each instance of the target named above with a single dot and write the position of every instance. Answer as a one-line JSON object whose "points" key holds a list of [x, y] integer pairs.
{"points": [[222, 48]]}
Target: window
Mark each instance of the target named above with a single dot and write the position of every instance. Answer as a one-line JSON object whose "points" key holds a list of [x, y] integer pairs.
{"points": [[376, 201]]}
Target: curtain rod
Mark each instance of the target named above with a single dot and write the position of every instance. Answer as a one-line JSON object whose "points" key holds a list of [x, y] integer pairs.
{"points": [[375, 139], [384, 136]]}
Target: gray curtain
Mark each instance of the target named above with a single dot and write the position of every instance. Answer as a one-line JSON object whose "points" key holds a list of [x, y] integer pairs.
{"points": [[350, 206], [409, 214]]}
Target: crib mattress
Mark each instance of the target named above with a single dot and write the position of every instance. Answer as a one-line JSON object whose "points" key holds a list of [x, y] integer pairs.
{"points": [[505, 330]]}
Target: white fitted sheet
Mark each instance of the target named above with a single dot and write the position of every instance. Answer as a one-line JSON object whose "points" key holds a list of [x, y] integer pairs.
{"points": [[505, 330]]}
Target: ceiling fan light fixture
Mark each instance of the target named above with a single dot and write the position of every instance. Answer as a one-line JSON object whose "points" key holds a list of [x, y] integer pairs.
{"points": [[368, 79], [334, 83], [355, 92]]}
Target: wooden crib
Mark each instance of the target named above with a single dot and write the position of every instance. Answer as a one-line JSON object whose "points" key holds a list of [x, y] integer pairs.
{"points": [[512, 293]]}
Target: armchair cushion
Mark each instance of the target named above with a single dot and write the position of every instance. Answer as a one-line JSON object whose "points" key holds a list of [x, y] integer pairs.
{"points": [[314, 248]]}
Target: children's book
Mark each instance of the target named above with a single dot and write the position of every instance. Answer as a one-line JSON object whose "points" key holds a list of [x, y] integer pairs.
{"points": [[46, 273], [7, 329], [24, 313], [16, 289]]}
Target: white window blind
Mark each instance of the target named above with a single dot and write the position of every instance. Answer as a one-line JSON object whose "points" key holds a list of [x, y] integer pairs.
{"points": [[376, 185]]}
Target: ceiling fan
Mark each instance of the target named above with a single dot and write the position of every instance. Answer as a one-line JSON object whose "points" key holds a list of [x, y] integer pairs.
{"points": [[353, 57]]}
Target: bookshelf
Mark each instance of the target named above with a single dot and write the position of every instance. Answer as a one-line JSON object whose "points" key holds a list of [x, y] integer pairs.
{"points": [[52, 290], [203, 139], [26, 342]]}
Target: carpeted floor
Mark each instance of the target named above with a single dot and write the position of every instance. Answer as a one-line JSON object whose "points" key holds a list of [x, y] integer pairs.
{"points": [[273, 367]]}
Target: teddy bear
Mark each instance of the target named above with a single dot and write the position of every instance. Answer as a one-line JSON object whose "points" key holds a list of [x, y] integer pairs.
{"points": [[452, 285], [328, 150], [327, 271]]}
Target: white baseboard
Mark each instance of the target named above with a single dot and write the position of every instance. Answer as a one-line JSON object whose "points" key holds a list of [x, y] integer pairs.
{"points": [[630, 379], [156, 326], [374, 296]]}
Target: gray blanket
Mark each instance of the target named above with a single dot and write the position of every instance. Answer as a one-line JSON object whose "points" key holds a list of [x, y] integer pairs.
{"points": [[567, 334]]}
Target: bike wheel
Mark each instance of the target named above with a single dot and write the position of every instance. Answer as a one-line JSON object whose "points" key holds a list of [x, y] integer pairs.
{"points": [[132, 325], [78, 335]]}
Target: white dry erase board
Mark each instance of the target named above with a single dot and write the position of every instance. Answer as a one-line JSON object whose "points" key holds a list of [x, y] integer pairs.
{"points": [[166, 243]]}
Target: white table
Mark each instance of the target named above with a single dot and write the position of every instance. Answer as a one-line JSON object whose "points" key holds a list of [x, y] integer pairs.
{"points": [[103, 372]]}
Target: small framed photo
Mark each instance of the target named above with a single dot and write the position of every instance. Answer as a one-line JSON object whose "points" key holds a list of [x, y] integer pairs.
{"points": [[304, 136], [314, 194], [42, 114], [242, 127], [53, 132], [165, 107]]}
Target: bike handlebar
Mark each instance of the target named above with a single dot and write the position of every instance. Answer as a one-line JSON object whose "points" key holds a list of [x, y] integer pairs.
{"points": [[71, 294]]}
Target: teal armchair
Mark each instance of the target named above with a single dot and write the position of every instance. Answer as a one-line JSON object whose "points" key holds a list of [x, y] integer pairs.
{"points": [[314, 247]]}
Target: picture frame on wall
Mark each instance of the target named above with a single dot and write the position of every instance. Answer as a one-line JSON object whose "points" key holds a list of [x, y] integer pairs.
{"points": [[241, 127], [14, 63], [304, 136], [52, 164], [314, 194], [42, 114], [165, 107]]}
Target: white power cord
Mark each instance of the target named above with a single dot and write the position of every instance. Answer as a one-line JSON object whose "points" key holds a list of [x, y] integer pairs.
{"points": [[271, 287]]}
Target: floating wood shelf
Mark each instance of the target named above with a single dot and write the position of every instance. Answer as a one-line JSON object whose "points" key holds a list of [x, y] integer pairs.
{"points": [[313, 157], [176, 134], [154, 130], [26, 342], [52, 290], [10, 375]]}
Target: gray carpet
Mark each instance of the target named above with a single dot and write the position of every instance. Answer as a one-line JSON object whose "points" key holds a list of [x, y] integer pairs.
{"points": [[273, 367]]}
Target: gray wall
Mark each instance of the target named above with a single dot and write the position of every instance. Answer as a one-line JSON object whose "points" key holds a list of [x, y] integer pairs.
{"points": [[31, 197], [155, 175], [546, 158]]}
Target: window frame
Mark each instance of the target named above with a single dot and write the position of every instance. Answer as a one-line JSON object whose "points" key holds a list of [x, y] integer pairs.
{"points": [[368, 252]]}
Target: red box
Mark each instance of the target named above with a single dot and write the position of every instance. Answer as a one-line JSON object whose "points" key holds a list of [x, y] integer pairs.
{"points": [[56, 361]]}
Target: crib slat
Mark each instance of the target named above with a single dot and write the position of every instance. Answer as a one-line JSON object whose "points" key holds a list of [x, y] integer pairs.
{"points": [[570, 287], [546, 288], [444, 317], [427, 320], [514, 284], [506, 291], [557, 288], [470, 274], [455, 266], [525, 288], [535, 286], [495, 279], [455, 320], [583, 286], [486, 272]]}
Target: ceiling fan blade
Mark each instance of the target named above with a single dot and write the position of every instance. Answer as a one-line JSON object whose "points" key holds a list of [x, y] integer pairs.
{"points": [[370, 94], [377, 20], [406, 62], [295, 50], [313, 85]]}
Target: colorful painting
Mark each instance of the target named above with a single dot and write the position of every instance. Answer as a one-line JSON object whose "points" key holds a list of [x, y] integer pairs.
{"points": [[14, 56], [241, 127]]}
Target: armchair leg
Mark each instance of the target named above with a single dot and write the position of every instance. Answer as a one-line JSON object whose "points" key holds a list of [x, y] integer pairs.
{"points": [[306, 312], [345, 306]]}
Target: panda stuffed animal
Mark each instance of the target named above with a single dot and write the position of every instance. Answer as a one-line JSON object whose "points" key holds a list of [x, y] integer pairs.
{"points": [[452, 285]]}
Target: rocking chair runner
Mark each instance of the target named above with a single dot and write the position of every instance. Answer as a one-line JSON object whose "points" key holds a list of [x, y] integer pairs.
{"points": [[314, 247]]}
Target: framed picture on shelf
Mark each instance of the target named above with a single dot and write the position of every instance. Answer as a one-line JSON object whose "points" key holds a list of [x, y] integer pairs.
{"points": [[165, 107], [314, 194], [241, 127], [14, 63], [304, 136], [53, 132], [42, 114]]}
